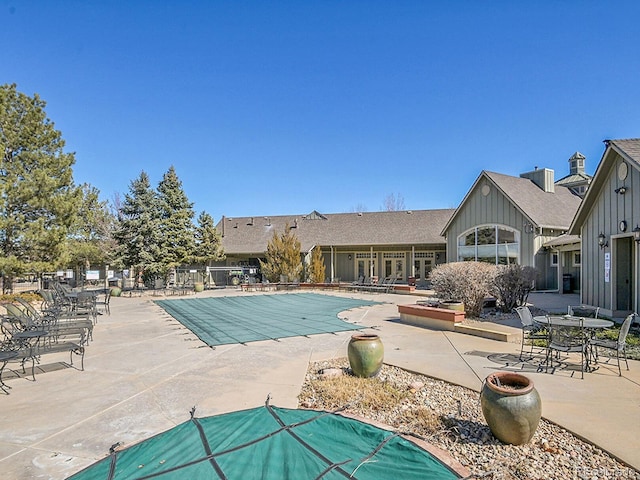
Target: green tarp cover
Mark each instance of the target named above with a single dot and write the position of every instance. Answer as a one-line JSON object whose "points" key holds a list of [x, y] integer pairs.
{"points": [[227, 320], [271, 443]]}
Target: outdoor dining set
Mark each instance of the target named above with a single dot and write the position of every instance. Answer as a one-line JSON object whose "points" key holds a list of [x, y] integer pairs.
{"points": [[63, 322], [574, 332]]}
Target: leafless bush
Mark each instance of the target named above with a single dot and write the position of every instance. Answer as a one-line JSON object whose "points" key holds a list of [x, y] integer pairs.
{"points": [[512, 285], [468, 282]]}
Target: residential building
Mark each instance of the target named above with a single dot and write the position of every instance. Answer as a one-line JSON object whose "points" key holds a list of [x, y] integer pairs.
{"points": [[505, 219], [405, 244], [608, 223]]}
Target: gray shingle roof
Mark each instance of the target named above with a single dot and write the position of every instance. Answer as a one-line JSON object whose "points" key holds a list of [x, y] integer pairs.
{"points": [[419, 227], [629, 149], [545, 209], [562, 240]]}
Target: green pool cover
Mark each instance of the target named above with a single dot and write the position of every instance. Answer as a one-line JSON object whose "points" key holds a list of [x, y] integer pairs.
{"points": [[227, 320], [271, 443]]}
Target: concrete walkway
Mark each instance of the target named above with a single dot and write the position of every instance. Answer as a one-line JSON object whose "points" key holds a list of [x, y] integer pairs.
{"points": [[144, 372]]}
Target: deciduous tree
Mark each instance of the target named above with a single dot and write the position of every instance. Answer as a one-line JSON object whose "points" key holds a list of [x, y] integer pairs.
{"points": [[91, 238]]}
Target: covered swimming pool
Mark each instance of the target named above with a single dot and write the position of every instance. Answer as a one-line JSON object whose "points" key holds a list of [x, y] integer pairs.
{"points": [[243, 319]]}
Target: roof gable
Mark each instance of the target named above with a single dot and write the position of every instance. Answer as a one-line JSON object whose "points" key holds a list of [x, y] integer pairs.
{"points": [[544, 209], [629, 150]]}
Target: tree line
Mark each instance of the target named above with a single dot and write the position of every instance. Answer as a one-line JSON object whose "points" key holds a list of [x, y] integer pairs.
{"points": [[48, 222]]}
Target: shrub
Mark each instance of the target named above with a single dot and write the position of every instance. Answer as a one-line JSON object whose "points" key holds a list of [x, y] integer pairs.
{"points": [[468, 282], [512, 285]]}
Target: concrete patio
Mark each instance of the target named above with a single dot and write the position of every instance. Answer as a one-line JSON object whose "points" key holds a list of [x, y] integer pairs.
{"points": [[144, 372]]}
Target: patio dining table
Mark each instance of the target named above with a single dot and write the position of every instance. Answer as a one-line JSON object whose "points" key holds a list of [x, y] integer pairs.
{"points": [[573, 321], [570, 321]]}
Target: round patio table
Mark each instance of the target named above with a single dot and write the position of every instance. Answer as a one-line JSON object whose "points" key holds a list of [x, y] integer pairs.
{"points": [[571, 321], [568, 321]]}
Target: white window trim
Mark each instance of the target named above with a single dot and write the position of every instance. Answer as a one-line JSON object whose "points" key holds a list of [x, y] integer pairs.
{"points": [[496, 226], [573, 259], [557, 255]]}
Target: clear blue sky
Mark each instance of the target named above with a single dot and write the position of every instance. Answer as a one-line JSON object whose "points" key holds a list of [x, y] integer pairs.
{"points": [[269, 108]]}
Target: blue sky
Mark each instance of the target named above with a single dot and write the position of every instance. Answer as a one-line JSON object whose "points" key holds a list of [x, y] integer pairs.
{"points": [[269, 108]]}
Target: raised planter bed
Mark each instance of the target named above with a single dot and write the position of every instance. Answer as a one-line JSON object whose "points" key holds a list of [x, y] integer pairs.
{"points": [[430, 317], [404, 288]]}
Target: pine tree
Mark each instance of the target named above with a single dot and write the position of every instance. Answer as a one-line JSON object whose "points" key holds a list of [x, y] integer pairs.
{"points": [[317, 268], [38, 198], [282, 257], [208, 241], [138, 231], [176, 224]]}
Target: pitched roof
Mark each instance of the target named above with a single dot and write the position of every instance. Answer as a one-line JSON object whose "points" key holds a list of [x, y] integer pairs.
{"points": [[544, 209], [629, 149], [562, 240], [410, 227], [574, 178]]}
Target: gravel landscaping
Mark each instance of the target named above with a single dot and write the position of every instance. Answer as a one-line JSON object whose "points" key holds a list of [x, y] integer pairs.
{"points": [[450, 417]]}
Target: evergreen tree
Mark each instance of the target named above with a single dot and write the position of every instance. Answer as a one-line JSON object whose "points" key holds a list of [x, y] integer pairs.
{"points": [[176, 222], [38, 198], [138, 231], [317, 268], [282, 257], [208, 241]]}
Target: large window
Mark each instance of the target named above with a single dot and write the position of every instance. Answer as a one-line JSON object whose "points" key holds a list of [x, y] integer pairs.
{"points": [[490, 243]]}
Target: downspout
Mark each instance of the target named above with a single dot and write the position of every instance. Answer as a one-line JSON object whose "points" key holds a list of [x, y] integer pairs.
{"points": [[582, 257], [413, 261], [332, 267], [371, 262]]}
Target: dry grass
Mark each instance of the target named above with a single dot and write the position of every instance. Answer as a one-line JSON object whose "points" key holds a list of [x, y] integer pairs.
{"points": [[372, 397]]}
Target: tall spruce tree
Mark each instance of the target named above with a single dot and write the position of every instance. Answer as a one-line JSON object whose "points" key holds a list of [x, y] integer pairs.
{"points": [[208, 241], [138, 231], [176, 222], [38, 198], [282, 257]]}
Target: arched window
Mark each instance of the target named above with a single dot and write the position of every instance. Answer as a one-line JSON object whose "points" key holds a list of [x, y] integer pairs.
{"points": [[495, 244]]}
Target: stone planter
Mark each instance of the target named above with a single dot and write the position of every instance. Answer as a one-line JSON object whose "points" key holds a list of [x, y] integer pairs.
{"points": [[511, 406], [198, 287], [452, 305], [115, 291], [366, 353]]}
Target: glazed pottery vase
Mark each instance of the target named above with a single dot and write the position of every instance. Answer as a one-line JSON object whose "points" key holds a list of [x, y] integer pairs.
{"points": [[511, 406], [366, 353]]}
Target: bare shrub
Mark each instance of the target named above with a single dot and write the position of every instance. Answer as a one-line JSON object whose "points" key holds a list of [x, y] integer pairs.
{"points": [[468, 282], [512, 285]]}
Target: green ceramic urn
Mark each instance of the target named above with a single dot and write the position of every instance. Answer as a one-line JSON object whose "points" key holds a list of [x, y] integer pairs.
{"points": [[511, 406], [366, 353]]}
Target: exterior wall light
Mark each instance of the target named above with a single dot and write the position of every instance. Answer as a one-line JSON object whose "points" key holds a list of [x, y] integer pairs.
{"points": [[602, 240], [636, 233], [621, 190]]}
